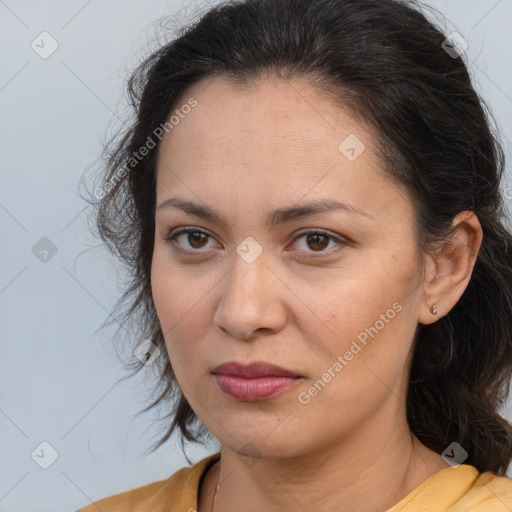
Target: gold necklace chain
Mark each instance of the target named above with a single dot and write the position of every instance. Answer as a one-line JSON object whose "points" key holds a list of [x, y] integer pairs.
{"points": [[215, 494]]}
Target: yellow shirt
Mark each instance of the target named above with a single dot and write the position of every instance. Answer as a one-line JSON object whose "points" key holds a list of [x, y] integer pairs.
{"points": [[454, 489]]}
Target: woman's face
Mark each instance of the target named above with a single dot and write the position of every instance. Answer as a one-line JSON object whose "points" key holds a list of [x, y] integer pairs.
{"points": [[339, 309]]}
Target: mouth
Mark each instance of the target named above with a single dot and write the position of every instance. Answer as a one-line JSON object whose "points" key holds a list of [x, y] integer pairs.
{"points": [[254, 382], [253, 370]]}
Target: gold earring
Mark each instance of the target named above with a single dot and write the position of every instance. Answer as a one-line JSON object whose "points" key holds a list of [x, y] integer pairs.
{"points": [[434, 310]]}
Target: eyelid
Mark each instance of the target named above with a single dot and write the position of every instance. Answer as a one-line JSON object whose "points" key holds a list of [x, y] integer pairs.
{"points": [[326, 232], [182, 230], [340, 240]]}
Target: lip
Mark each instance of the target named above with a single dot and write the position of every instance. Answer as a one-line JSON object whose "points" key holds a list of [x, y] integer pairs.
{"points": [[254, 382], [253, 370]]}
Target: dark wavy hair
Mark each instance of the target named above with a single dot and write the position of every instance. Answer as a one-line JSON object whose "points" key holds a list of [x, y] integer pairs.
{"points": [[390, 66]]}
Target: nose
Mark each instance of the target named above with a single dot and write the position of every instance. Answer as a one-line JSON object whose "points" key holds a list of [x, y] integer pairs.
{"points": [[251, 300]]}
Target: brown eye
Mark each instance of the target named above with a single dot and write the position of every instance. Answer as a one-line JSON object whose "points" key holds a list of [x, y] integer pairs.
{"points": [[317, 242], [196, 239], [189, 239]]}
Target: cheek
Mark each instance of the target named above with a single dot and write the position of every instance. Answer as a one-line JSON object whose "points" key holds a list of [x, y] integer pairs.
{"points": [[182, 306], [369, 319], [163, 291], [175, 293], [359, 300]]}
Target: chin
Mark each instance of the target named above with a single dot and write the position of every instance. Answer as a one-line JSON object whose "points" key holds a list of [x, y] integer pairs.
{"points": [[256, 447]]}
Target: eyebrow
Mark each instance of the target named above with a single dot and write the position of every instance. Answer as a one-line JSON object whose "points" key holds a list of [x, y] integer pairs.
{"points": [[275, 217]]}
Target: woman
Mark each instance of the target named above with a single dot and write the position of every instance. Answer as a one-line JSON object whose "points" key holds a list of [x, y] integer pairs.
{"points": [[309, 201]]}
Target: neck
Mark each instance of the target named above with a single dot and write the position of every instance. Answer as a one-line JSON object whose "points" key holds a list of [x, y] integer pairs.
{"points": [[361, 474]]}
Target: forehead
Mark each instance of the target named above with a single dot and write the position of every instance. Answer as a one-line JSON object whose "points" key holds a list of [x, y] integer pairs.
{"points": [[291, 109], [272, 138]]}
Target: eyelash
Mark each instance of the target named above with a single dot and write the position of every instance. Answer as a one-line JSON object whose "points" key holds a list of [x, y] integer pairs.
{"points": [[173, 235]]}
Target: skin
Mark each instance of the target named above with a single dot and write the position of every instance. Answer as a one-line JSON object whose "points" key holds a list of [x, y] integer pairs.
{"points": [[300, 303]]}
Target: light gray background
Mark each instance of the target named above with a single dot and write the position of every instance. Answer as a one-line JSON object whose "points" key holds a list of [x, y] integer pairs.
{"points": [[59, 377]]}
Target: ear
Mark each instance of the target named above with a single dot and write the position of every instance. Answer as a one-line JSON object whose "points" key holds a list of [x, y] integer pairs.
{"points": [[449, 270]]}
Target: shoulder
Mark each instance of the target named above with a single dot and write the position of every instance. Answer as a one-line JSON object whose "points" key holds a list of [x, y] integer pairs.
{"points": [[178, 491], [490, 492], [460, 489]]}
